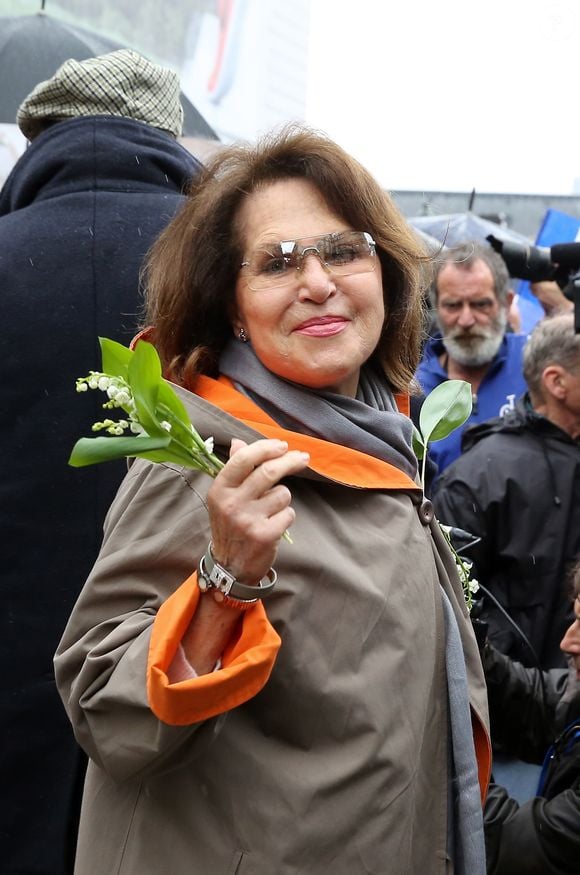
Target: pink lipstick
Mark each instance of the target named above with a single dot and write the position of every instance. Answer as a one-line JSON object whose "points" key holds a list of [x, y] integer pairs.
{"points": [[322, 326]]}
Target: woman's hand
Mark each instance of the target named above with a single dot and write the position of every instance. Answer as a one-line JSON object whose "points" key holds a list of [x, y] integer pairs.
{"points": [[249, 508], [249, 511]]}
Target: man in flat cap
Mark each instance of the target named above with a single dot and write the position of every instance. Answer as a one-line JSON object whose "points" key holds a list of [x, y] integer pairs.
{"points": [[102, 176]]}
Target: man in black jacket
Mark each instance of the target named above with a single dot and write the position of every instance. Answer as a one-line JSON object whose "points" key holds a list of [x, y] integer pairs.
{"points": [[101, 178], [517, 487], [529, 712]]}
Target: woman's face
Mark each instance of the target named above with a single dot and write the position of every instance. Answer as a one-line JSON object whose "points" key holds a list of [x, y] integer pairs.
{"points": [[319, 328]]}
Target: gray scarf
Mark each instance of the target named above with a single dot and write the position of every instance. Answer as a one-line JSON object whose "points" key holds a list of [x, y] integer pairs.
{"points": [[369, 423], [466, 838]]}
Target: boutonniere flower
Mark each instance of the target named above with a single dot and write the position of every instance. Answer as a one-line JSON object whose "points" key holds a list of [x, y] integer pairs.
{"points": [[446, 408]]}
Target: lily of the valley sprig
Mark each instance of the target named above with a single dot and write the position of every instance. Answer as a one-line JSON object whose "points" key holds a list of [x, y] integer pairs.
{"points": [[443, 410], [155, 424], [469, 583]]}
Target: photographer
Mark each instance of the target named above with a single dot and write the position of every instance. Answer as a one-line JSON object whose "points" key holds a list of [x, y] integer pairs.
{"points": [[529, 712]]}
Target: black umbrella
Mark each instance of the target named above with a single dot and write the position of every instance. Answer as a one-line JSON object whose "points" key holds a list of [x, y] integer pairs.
{"points": [[32, 48]]}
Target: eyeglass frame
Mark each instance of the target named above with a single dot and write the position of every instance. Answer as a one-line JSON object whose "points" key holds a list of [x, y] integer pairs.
{"points": [[287, 248]]}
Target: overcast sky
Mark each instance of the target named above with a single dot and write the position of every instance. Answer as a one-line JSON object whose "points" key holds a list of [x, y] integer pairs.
{"points": [[451, 94]]}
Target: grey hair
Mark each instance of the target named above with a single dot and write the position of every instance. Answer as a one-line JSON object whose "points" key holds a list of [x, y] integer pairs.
{"points": [[552, 342], [464, 256]]}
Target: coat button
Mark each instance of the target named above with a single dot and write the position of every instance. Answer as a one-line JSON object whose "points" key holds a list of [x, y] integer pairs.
{"points": [[426, 512]]}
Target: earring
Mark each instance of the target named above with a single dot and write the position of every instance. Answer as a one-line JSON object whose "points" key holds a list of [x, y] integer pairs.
{"points": [[242, 335]]}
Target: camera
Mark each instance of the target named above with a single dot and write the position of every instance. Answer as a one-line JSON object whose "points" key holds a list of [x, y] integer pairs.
{"points": [[539, 263], [560, 263]]}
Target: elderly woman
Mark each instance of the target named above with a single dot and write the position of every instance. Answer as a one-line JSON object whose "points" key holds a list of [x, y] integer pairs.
{"points": [[251, 705]]}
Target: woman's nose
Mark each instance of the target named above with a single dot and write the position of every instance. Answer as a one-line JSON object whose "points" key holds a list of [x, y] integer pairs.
{"points": [[316, 281]]}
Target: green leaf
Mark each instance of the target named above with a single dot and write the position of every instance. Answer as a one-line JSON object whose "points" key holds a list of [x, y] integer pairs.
{"points": [[418, 445], [144, 377], [168, 454], [169, 397], [90, 451], [445, 409], [116, 358]]}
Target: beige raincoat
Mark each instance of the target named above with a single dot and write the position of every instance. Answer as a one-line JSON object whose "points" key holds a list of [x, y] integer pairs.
{"points": [[320, 746]]}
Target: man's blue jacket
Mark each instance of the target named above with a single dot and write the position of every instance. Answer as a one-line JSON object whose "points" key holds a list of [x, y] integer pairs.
{"points": [[500, 388]]}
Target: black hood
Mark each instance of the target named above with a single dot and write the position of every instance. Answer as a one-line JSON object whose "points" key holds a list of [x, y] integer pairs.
{"points": [[522, 418]]}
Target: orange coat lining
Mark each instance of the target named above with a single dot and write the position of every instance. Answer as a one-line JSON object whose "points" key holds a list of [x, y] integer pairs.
{"points": [[246, 662], [338, 463]]}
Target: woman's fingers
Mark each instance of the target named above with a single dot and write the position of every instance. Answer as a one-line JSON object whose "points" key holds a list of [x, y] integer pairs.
{"points": [[258, 535], [254, 470], [276, 499], [245, 459], [268, 474], [258, 520], [249, 507], [236, 444]]}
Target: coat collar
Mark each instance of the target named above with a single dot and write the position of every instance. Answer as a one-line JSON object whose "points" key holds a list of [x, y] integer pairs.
{"points": [[338, 463]]}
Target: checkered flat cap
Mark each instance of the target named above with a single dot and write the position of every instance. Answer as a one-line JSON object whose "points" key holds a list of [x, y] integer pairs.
{"points": [[121, 83]]}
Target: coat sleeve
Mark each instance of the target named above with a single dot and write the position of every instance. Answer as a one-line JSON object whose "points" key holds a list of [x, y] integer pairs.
{"points": [[539, 838], [155, 532], [523, 704]]}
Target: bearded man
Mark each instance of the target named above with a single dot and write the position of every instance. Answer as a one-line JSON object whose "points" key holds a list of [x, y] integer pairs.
{"points": [[471, 298]]}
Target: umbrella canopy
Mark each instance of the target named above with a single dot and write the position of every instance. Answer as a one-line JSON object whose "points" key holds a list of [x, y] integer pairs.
{"points": [[431, 244], [32, 48], [455, 228]]}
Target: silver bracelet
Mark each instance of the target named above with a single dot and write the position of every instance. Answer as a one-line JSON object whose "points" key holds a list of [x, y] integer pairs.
{"points": [[227, 589]]}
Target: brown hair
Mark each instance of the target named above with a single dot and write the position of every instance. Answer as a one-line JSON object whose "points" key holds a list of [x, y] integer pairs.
{"points": [[192, 268]]}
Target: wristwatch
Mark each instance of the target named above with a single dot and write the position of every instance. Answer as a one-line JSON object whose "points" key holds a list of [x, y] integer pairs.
{"points": [[226, 589]]}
